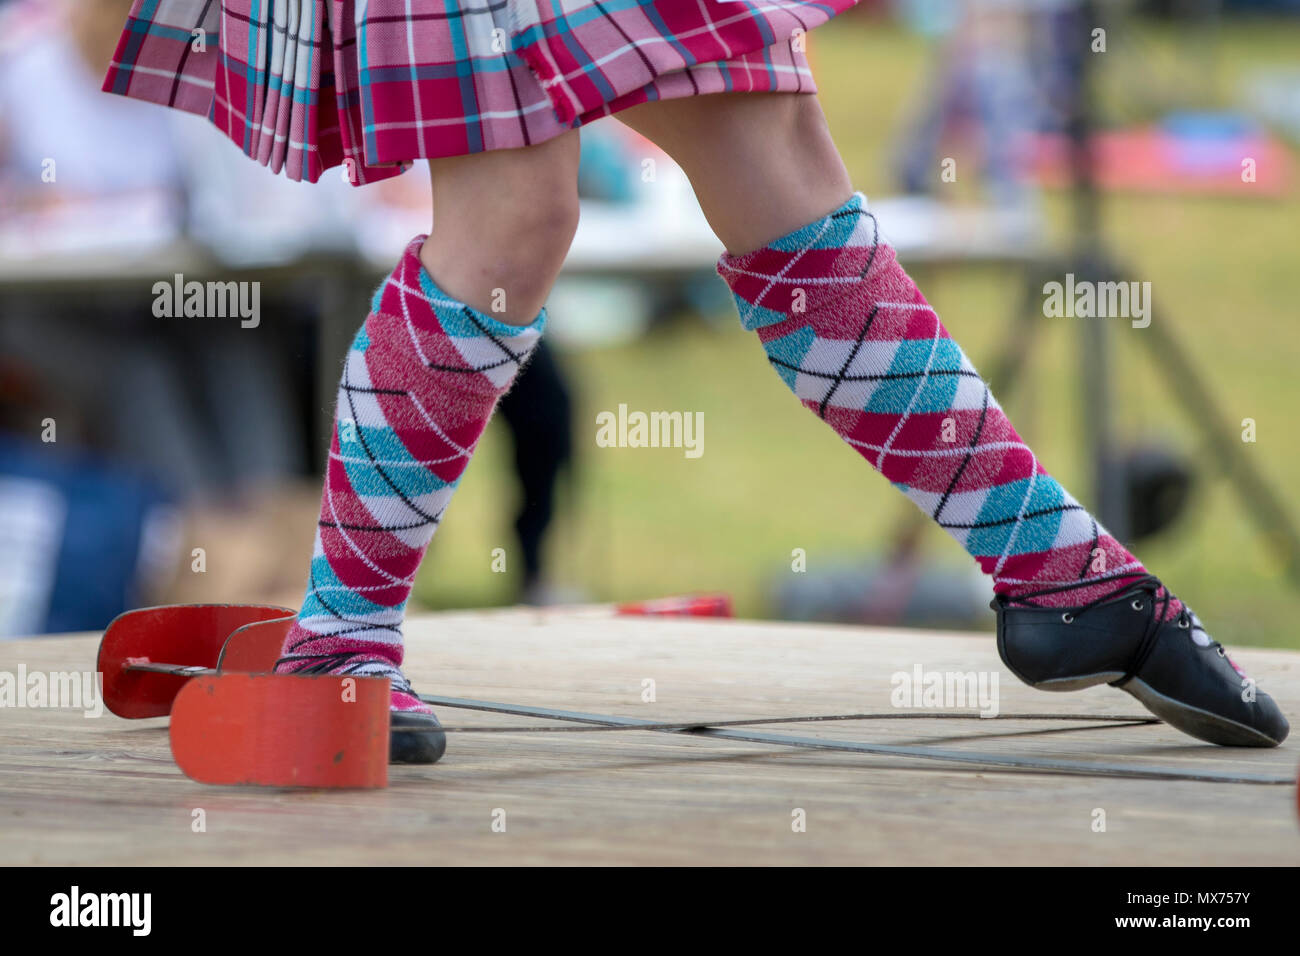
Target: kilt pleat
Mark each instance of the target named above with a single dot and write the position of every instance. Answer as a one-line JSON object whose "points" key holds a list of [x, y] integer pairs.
{"points": [[302, 86]]}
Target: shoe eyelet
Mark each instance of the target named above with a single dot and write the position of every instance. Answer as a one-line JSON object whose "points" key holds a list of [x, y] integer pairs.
{"points": [[1221, 651], [1136, 605], [1067, 617], [1184, 623]]}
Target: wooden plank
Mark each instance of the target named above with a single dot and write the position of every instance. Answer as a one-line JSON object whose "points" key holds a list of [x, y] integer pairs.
{"points": [[105, 791]]}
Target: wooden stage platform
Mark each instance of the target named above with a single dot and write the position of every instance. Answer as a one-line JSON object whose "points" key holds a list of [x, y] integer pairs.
{"points": [[75, 790]]}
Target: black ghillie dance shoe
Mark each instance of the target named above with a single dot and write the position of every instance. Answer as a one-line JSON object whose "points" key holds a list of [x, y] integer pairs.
{"points": [[415, 737], [1171, 666]]}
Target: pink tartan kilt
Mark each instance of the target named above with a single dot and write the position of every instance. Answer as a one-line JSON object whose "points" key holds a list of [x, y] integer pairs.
{"points": [[305, 85]]}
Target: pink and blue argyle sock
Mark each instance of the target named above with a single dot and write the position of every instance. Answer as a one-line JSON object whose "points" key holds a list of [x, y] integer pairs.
{"points": [[420, 382], [855, 340]]}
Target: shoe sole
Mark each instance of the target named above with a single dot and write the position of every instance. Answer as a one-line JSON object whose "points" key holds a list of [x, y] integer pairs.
{"points": [[1199, 723], [411, 741], [1076, 683]]}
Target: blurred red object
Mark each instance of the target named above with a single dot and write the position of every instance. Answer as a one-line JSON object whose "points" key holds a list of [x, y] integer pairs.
{"points": [[1152, 160], [688, 605]]}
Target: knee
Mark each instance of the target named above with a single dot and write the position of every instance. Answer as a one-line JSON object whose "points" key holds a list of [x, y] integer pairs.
{"points": [[527, 253], [544, 222], [514, 201], [521, 226], [503, 222]]}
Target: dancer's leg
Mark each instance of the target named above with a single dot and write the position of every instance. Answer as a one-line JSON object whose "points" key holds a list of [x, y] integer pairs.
{"points": [[848, 331], [761, 164], [448, 331], [503, 221], [853, 337]]}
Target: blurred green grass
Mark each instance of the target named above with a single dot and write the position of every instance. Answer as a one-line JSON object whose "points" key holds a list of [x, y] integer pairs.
{"points": [[650, 522]]}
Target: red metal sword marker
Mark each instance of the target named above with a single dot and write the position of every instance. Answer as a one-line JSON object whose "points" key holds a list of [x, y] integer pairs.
{"points": [[146, 656], [283, 730], [234, 722]]}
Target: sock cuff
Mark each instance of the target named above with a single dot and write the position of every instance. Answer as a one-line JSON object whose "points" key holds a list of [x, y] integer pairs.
{"points": [[834, 230], [457, 319], [809, 268]]}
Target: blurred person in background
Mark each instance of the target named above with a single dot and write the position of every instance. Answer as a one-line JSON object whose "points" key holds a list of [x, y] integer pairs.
{"points": [[995, 81], [725, 89], [80, 191], [85, 521], [223, 428], [539, 413]]}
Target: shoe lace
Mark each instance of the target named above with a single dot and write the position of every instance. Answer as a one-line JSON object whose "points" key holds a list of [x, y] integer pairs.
{"points": [[342, 662], [1146, 584]]}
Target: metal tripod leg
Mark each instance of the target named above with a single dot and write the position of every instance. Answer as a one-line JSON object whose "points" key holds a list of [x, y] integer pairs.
{"points": [[1188, 386]]}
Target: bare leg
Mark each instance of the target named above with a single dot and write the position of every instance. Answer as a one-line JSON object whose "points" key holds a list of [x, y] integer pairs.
{"points": [[736, 147], [503, 221]]}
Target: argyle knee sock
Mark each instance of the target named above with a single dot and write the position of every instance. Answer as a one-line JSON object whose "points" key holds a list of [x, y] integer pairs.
{"points": [[420, 382], [854, 339]]}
